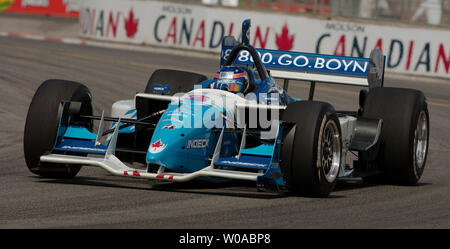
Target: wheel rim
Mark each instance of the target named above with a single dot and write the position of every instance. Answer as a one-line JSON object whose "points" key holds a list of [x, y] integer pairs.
{"points": [[330, 155], [421, 140]]}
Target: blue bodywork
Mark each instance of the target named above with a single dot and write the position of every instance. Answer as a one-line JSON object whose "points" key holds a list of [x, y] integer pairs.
{"points": [[187, 150]]}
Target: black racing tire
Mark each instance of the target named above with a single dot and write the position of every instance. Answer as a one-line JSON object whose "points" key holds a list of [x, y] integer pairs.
{"points": [[41, 125], [303, 150], [401, 110], [179, 81]]}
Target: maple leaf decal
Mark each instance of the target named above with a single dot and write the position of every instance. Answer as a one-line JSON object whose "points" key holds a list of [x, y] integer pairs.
{"points": [[284, 41], [131, 24]]}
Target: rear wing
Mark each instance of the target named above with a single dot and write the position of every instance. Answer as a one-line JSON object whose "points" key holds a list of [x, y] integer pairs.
{"points": [[289, 65]]}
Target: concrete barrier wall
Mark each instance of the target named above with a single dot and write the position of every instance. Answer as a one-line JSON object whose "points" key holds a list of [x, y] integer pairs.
{"points": [[409, 50]]}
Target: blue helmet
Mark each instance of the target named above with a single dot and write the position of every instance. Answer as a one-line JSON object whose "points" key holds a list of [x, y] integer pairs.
{"points": [[232, 79]]}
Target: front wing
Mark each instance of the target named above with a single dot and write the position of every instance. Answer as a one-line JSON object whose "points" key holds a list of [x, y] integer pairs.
{"points": [[116, 167]]}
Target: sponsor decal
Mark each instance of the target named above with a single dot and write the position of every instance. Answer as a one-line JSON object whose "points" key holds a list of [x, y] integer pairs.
{"points": [[304, 62], [157, 147], [169, 126], [67, 147], [243, 163], [160, 88], [197, 143]]}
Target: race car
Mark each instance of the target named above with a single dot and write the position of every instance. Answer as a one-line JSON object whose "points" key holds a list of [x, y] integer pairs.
{"points": [[185, 127]]}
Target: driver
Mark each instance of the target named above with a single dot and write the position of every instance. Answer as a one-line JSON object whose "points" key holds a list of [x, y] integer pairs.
{"points": [[233, 79]]}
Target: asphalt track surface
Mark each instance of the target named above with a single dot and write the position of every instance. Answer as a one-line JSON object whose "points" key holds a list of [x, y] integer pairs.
{"points": [[95, 199]]}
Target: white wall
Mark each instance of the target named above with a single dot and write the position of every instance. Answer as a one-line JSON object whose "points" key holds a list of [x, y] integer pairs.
{"points": [[408, 50]]}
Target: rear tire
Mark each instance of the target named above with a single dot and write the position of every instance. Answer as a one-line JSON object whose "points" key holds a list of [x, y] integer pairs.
{"points": [[312, 147], [41, 125], [405, 134], [179, 81]]}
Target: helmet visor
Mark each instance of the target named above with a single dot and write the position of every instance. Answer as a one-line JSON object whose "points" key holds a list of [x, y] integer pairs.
{"points": [[234, 88]]}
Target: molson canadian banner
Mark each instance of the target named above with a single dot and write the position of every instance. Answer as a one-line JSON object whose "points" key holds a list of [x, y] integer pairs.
{"points": [[408, 49], [65, 8]]}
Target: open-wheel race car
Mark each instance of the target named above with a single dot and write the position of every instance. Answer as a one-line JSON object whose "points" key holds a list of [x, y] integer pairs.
{"points": [[238, 125]]}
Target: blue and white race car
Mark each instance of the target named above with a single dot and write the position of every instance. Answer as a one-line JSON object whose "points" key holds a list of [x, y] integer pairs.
{"points": [[239, 125]]}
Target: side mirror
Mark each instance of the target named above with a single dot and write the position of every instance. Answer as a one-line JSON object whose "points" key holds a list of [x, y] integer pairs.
{"points": [[246, 31]]}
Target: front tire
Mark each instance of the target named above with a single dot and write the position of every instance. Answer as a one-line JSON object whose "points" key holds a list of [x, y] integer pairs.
{"points": [[312, 147], [41, 125]]}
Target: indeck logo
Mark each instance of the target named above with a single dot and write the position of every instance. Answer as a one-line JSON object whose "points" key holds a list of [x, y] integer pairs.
{"points": [[197, 143], [157, 147]]}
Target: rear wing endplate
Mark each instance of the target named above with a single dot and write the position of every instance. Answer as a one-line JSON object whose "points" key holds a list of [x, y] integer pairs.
{"points": [[289, 65]]}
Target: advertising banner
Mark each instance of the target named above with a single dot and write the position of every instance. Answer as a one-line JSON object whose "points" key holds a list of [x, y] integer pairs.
{"points": [[409, 50], [63, 8]]}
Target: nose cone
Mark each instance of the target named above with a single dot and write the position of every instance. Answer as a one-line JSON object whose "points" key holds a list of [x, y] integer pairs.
{"points": [[183, 140], [180, 143]]}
